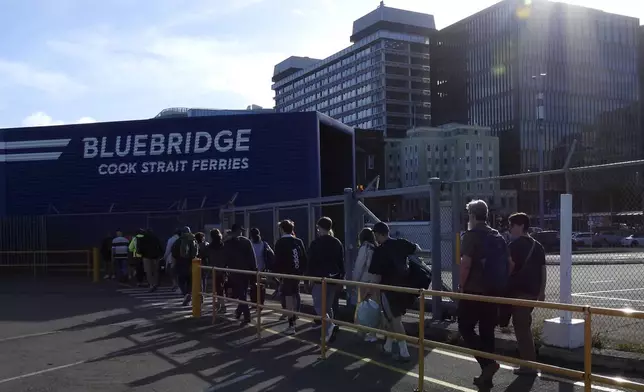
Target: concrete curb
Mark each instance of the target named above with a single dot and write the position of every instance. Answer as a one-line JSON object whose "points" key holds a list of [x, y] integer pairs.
{"points": [[447, 332]]}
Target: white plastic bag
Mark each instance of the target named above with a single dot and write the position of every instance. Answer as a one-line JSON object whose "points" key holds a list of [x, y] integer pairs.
{"points": [[368, 314]]}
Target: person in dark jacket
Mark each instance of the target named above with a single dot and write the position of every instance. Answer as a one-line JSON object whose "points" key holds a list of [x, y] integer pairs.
{"points": [[216, 257], [151, 250], [291, 259], [202, 253], [389, 261], [240, 255], [326, 260]]}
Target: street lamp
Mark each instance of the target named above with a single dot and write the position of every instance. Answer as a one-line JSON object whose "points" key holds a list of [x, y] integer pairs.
{"points": [[540, 119]]}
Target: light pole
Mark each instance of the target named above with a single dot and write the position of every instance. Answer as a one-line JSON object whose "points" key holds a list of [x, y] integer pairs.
{"points": [[540, 119]]}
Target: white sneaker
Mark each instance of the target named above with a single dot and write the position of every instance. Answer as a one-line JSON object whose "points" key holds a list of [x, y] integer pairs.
{"points": [[290, 330], [370, 338], [106, 277]]}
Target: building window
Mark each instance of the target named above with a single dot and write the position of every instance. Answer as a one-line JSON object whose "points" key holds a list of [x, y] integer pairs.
{"points": [[467, 146]]}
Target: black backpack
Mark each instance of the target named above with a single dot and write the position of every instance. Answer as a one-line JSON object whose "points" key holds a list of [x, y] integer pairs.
{"points": [[495, 261], [420, 275]]}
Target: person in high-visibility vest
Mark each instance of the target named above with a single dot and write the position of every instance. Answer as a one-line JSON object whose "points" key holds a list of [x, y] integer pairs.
{"points": [[137, 259]]}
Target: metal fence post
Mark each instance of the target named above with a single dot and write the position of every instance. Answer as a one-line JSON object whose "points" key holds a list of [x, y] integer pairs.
{"points": [[421, 342], [323, 330], [246, 222], [588, 350], [350, 235], [196, 288], [456, 228], [276, 219], [215, 300], [435, 216], [96, 265]]}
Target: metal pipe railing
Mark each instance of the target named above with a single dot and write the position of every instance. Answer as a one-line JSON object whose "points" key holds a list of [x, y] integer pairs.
{"points": [[586, 375]]}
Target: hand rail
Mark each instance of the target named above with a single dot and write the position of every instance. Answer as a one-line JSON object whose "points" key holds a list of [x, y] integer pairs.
{"points": [[586, 375]]}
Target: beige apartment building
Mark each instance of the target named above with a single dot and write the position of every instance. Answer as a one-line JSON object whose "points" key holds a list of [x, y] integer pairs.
{"points": [[449, 152]]}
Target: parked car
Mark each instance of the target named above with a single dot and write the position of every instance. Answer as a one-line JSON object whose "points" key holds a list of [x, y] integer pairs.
{"points": [[611, 238], [548, 238], [633, 240], [585, 239]]}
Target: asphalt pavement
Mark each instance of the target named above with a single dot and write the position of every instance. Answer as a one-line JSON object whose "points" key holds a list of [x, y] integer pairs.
{"points": [[70, 336]]}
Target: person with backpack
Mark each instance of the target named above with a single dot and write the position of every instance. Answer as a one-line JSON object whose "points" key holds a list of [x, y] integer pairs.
{"points": [[390, 262], [326, 260], [528, 281], [151, 250], [265, 257], [184, 250], [170, 262], [485, 269]]}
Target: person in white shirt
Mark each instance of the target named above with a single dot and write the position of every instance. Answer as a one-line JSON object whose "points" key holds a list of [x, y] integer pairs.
{"points": [[120, 249], [169, 260]]}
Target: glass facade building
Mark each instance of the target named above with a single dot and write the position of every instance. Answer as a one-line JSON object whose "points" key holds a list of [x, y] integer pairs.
{"points": [[381, 81], [580, 64]]}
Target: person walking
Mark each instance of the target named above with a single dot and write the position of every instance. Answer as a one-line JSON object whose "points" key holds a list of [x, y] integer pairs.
{"points": [[240, 255], [528, 281], [137, 259], [326, 260], [361, 272], [217, 258], [120, 249], [484, 270], [290, 259], [170, 262], [184, 250], [202, 246], [151, 250], [390, 262]]}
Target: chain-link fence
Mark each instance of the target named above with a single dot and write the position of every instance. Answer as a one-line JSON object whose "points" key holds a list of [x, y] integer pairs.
{"points": [[607, 243]]}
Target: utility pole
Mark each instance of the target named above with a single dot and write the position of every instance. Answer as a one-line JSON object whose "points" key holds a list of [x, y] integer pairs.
{"points": [[541, 134]]}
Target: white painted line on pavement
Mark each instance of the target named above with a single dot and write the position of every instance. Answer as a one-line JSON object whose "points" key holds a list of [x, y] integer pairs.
{"points": [[31, 335], [6, 380], [610, 291]]}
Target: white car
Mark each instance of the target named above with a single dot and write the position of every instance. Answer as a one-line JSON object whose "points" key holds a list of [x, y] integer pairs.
{"points": [[583, 239], [634, 240]]}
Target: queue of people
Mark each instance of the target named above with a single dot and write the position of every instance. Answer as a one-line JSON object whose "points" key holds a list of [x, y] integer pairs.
{"points": [[491, 265]]}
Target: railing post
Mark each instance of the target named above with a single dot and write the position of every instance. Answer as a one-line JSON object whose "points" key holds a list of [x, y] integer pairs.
{"points": [[350, 235], [435, 216], [324, 321], [196, 288], [96, 265], [456, 229], [421, 342], [258, 291], [214, 295], [588, 349], [276, 219]]}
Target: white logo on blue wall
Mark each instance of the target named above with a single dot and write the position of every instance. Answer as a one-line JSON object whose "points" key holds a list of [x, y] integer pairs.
{"points": [[10, 156], [216, 151]]}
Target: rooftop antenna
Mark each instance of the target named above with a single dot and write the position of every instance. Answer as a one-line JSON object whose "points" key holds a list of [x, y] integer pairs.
{"points": [[382, 3]]}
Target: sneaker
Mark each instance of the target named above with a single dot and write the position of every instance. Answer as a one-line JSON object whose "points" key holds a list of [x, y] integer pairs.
{"points": [[402, 358], [283, 317], [106, 277], [485, 379], [152, 289], [290, 330], [370, 338], [245, 322], [332, 334], [186, 300], [113, 277]]}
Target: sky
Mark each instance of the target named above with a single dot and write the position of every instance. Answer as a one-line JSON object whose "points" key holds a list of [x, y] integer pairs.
{"points": [[71, 61]]}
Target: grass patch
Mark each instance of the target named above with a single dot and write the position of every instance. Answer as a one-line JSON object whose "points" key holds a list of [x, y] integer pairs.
{"points": [[537, 334], [598, 341], [631, 347]]}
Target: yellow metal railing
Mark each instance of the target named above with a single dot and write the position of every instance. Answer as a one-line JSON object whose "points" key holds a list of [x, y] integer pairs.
{"points": [[588, 311], [46, 260]]}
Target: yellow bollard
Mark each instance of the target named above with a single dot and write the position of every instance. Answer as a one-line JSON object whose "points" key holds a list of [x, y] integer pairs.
{"points": [[96, 265], [324, 321], [196, 288], [588, 349]]}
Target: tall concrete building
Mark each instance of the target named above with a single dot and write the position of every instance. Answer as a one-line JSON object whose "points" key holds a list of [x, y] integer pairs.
{"points": [[381, 81], [579, 65]]}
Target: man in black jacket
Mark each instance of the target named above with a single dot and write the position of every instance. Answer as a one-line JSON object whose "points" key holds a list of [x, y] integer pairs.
{"points": [[151, 250], [290, 258], [240, 255], [326, 255]]}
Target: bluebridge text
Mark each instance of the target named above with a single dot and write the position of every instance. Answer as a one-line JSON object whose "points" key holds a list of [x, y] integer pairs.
{"points": [[212, 146]]}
